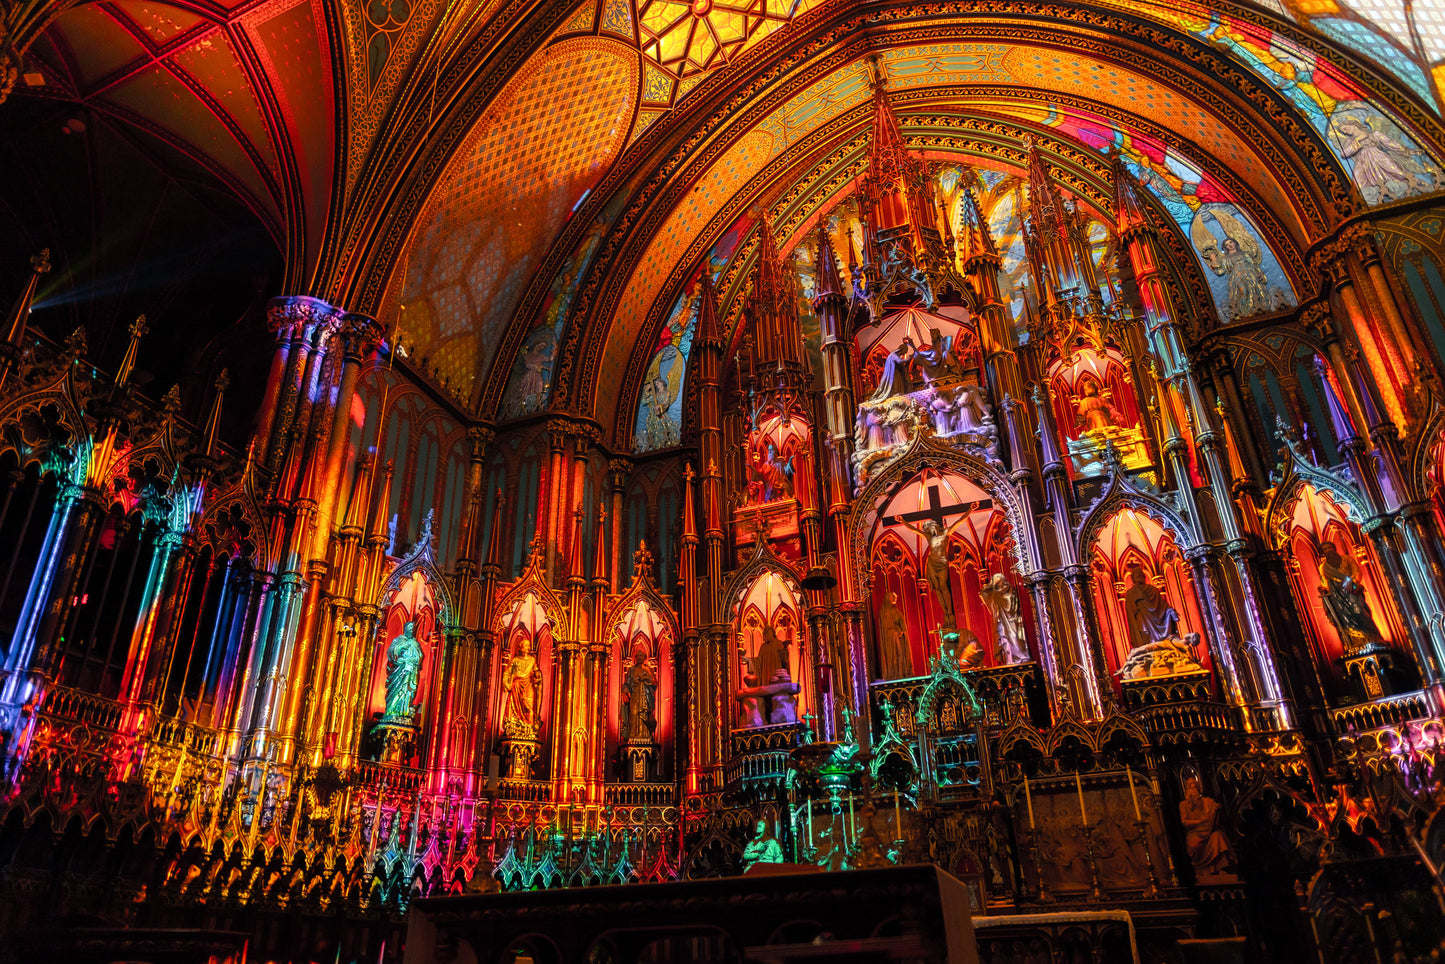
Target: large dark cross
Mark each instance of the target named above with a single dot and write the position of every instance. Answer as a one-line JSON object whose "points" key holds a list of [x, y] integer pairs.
{"points": [[937, 511]]}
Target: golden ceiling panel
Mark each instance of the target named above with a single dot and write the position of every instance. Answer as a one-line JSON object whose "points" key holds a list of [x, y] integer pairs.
{"points": [[503, 198]]}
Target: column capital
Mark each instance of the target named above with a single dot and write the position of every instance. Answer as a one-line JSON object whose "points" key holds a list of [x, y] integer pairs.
{"points": [[360, 335], [481, 436], [563, 427], [291, 315]]}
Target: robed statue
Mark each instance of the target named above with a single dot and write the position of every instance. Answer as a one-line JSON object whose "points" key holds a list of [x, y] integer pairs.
{"points": [[403, 667], [1095, 412], [1343, 594], [893, 650], [1002, 603], [1151, 618], [763, 848], [1208, 848], [772, 658], [521, 682], [639, 700]]}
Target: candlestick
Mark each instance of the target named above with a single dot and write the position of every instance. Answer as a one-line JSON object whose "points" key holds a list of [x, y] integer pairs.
{"points": [[810, 821], [897, 815], [852, 827], [1134, 796], [1029, 799], [1083, 812]]}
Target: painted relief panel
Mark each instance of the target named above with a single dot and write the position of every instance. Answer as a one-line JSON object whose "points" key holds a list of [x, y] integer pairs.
{"points": [[659, 411], [530, 384], [1244, 275], [1384, 161]]}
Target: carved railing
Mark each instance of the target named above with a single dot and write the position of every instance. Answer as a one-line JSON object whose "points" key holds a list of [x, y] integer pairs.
{"points": [[196, 739], [641, 794], [1001, 690], [76, 706], [534, 791], [762, 753], [1380, 713], [397, 779]]}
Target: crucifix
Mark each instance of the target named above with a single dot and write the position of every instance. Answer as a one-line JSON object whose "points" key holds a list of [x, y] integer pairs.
{"points": [[936, 511], [931, 526]]}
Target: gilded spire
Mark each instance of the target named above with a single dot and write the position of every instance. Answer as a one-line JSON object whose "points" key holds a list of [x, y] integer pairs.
{"points": [[1044, 205], [213, 418], [825, 265], [975, 239], [138, 330], [1129, 213], [20, 311], [708, 332], [600, 582]]}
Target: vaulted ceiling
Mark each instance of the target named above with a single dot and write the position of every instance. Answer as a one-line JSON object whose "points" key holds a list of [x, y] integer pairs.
{"points": [[466, 170]]}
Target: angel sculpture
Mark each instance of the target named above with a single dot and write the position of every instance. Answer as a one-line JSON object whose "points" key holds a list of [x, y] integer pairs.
{"points": [[663, 384], [1382, 161], [1237, 259]]}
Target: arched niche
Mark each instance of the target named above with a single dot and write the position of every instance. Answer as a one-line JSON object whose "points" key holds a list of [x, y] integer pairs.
{"points": [[641, 688], [769, 630], [522, 701], [1327, 556], [913, 361], [1132, 556], [1095, 404], [415, 613], [779, 452], [906, 575]]}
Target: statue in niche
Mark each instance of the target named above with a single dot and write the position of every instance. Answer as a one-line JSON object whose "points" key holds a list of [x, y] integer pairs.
{"points": [[639, 699], [1157, 649], [893, 654], [1002, 603], [896, 378], [1151, 618], [1095, 412], [403, 668], [935, 363], [772, 475], [763, 848], [521, 681], [1209, 851], [767, 681], [959, 409], [772, 659], [1343, 594], [751, 701]]}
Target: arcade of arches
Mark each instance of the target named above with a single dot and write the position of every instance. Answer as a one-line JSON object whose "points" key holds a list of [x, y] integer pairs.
{"points": [[641, 441]]}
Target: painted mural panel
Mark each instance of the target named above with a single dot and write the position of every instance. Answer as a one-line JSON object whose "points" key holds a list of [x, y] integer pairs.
{"points": [[659, 410], [1244, 275], [1384, 161], [529, 387]]}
